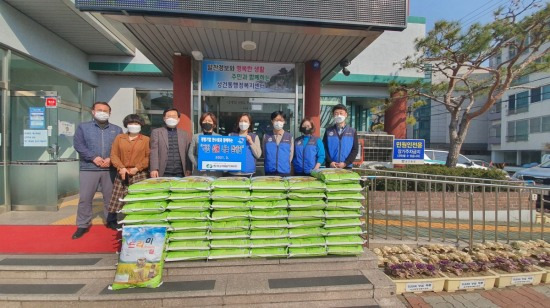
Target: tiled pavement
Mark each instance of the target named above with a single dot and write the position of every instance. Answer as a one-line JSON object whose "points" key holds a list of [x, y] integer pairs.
{"points": [[512, 297]]}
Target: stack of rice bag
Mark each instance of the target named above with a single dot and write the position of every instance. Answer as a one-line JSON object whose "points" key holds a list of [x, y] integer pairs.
{"points": [[146, 202], [343, 211]]}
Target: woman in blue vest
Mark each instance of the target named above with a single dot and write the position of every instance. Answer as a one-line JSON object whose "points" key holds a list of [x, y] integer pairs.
{"points": [[309, 152], [244, 128], [340, 140], [278, 147]]}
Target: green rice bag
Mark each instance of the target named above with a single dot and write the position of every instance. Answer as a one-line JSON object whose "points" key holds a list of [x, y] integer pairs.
{"points": [[231, 183], [268, 204], [305, 232], [190, 196], [307, 251], [150, 186], [219, 215], [344, 196], [307, 242], [268, 224], [143, 218], [156, 196], [268, 183], [344, 240], [351, 187], [190, 255], [343, 214], [164, 224], [191, 184], [188, 235], [230, 195], [231, 225], [268, 214], [229, 235], [336, 175], [189, 225], [342, 222], [230, 205], [316, 222], [344, 205], [352, 250], [268, 195], [272, 242], [235, 253], [188, 245], [144, 207], [200, 216], [230, 243], [305, 184], [298, 195], [307, 205], [305, 215], [344, 231], [273, 252], [187, 205], [269, 233]]}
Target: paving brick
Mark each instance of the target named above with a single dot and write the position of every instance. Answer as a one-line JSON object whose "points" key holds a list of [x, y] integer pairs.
{"points": [[433, 300], [495, 299], [532, 295], [416, 302], [453, 301], [543, 289], [475, 300]]}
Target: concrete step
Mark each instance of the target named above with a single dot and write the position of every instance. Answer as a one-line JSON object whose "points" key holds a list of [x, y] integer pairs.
{"points": [[327, 288]]}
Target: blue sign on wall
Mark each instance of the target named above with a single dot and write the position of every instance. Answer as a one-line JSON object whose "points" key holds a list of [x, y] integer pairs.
{"points": [[408, 151], [221, 153]]}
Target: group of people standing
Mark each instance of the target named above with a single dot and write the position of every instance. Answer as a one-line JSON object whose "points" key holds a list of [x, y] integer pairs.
{"points": [[113, 160]]}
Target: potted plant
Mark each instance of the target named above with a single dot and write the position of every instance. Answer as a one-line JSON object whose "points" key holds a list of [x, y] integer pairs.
{"points": [[516, 272], [415, 277], [467, 275], [544, 263]]}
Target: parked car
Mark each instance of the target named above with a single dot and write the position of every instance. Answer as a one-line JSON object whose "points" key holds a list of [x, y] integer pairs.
{"points": [[482, 163], [438, 156], [539, 175]]}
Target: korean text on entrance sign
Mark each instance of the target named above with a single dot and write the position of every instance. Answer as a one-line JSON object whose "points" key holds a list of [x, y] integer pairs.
{"points": [[221, 153], [408, 151]]}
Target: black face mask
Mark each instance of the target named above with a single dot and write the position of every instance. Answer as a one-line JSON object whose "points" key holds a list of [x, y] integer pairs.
{"points": [[207, 126], [306, 131]]}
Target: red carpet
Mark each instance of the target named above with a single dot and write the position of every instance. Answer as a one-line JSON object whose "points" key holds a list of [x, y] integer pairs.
{"points": [[56, 240]]}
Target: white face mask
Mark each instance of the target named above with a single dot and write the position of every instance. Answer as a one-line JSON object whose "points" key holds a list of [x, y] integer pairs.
{"points": [[171, 122], [244, 125], [134, 128], [101, 116], [278, 125], [339, 119]]}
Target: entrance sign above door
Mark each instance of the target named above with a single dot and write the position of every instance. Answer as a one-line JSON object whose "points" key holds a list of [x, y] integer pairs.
{"points": [[248, 76]]}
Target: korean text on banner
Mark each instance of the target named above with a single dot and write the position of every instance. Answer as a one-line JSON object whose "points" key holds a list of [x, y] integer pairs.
{"points": [[408, 151], [221, 153]]}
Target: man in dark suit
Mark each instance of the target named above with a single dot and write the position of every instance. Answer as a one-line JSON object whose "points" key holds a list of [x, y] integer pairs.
{"points": [[169, 147]]}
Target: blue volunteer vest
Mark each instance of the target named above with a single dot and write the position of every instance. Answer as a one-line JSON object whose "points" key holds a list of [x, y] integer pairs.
{"points": [[277, 157], [305, 155], [339, 146], [250, 163]]}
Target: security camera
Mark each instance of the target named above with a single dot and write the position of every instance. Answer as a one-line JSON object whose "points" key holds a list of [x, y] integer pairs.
{"points": [[345, 63], [345, 71]]}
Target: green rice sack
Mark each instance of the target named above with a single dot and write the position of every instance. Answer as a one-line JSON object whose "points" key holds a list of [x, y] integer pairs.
{"points": [[316, 222], [145, 207], [164, 224], [230, 205], [231, 183], [342, 222], [235, 253], [231, 225], [305, 232], [190, 255], [344, 240], [195, 216], [190, 196], [307, 242], [188, 245], [343, 231], [294, 252], [269, 233], [298, 195], [230, 243], [268, 204], [307, 205], [156, 196], [349, 188], [273, 252], [305, 184], [153, 185], [187, 205], [141, 258], [230, 195], [188, 235], [353, 250], [305, 215], [143, 218], [268, 183], [336, 175], [189, 225], [272, 242], [229, 235], [340, 196], [268, 214], [224, 215], [344, 205], [267, 195], [191, 184], [268, 224], [343, 214]]}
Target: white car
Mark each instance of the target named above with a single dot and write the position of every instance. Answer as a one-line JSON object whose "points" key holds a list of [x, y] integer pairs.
{"points": [[440, 157]]}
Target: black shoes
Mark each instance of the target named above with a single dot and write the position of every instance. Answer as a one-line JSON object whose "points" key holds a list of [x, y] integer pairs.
{"points": [[79, 233], [113, 225]]}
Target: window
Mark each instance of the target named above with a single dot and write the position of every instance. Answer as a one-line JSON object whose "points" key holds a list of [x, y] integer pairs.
{"points": [[494, 131], [512, 51], [546, 124], [546, 92], [512, 103], [150, 104], [511, 132], [497, 108], [498, 59], [440, 155], [534, 125], [535, 95], [462, 159], [522, 100], [518, 131]]}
